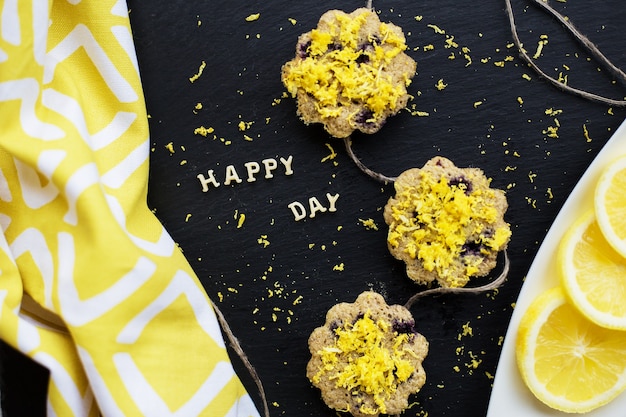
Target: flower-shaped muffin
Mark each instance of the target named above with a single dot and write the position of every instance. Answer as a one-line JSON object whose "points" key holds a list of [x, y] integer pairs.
{"points": [[446, 223], [350, 72], [367, 357]]}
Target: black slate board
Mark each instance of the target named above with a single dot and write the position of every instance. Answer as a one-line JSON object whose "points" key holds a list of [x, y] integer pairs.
{"points": [[273, 296]]}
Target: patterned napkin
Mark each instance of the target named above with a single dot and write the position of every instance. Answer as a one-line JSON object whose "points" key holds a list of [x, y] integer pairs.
{"points": [[91, 285]]}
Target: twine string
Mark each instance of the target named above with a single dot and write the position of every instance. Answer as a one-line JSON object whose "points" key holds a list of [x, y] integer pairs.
{"points": [[468, 290], [584, 41], [590, 46], [373, 174], [234, 342]]}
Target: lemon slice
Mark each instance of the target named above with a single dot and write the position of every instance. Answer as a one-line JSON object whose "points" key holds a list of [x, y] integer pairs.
{"points": [[610, 204], [568, 362], [593, 274]]}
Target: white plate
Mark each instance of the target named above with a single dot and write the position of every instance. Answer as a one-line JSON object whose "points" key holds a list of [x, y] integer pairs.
{"points": [[510, 397]]}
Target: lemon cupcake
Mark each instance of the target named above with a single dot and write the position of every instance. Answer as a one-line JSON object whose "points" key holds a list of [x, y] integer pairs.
{"points": [[367, 357], [350, 73], [446, 223]]}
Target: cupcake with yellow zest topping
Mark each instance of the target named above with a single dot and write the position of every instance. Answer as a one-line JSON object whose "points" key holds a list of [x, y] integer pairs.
{"points": [[446, 223], [350, 73], [367, 357]]}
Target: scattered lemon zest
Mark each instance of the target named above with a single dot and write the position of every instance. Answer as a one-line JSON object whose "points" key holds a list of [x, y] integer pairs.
{"points": [[199, 73], [543, 41], [332, 154], [262, 240], [253, 17], [586, 133], [203, 131], [437, 29], [241, 220], [369, 224]]}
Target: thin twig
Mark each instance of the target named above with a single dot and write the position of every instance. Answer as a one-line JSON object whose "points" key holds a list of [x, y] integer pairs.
{"points": [[242, 355], [581, 38], [373, 174], [369, 4], [472, 290], [584, 40]]}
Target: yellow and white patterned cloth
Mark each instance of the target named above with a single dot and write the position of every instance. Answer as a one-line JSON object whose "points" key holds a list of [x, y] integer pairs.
{"points": [[91, 285]]}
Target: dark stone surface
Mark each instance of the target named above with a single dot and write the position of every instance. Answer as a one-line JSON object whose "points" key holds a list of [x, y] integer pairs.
{"points": [[275, 295]]}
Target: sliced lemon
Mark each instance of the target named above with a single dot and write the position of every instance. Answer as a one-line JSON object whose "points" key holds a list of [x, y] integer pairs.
{"points": [[593, 274], [568, 362], [610, 204]]}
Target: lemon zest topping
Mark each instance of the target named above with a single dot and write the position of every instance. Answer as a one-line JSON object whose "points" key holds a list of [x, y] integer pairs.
{"points": [[435, 216], [373, 360], [338, 71]]}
